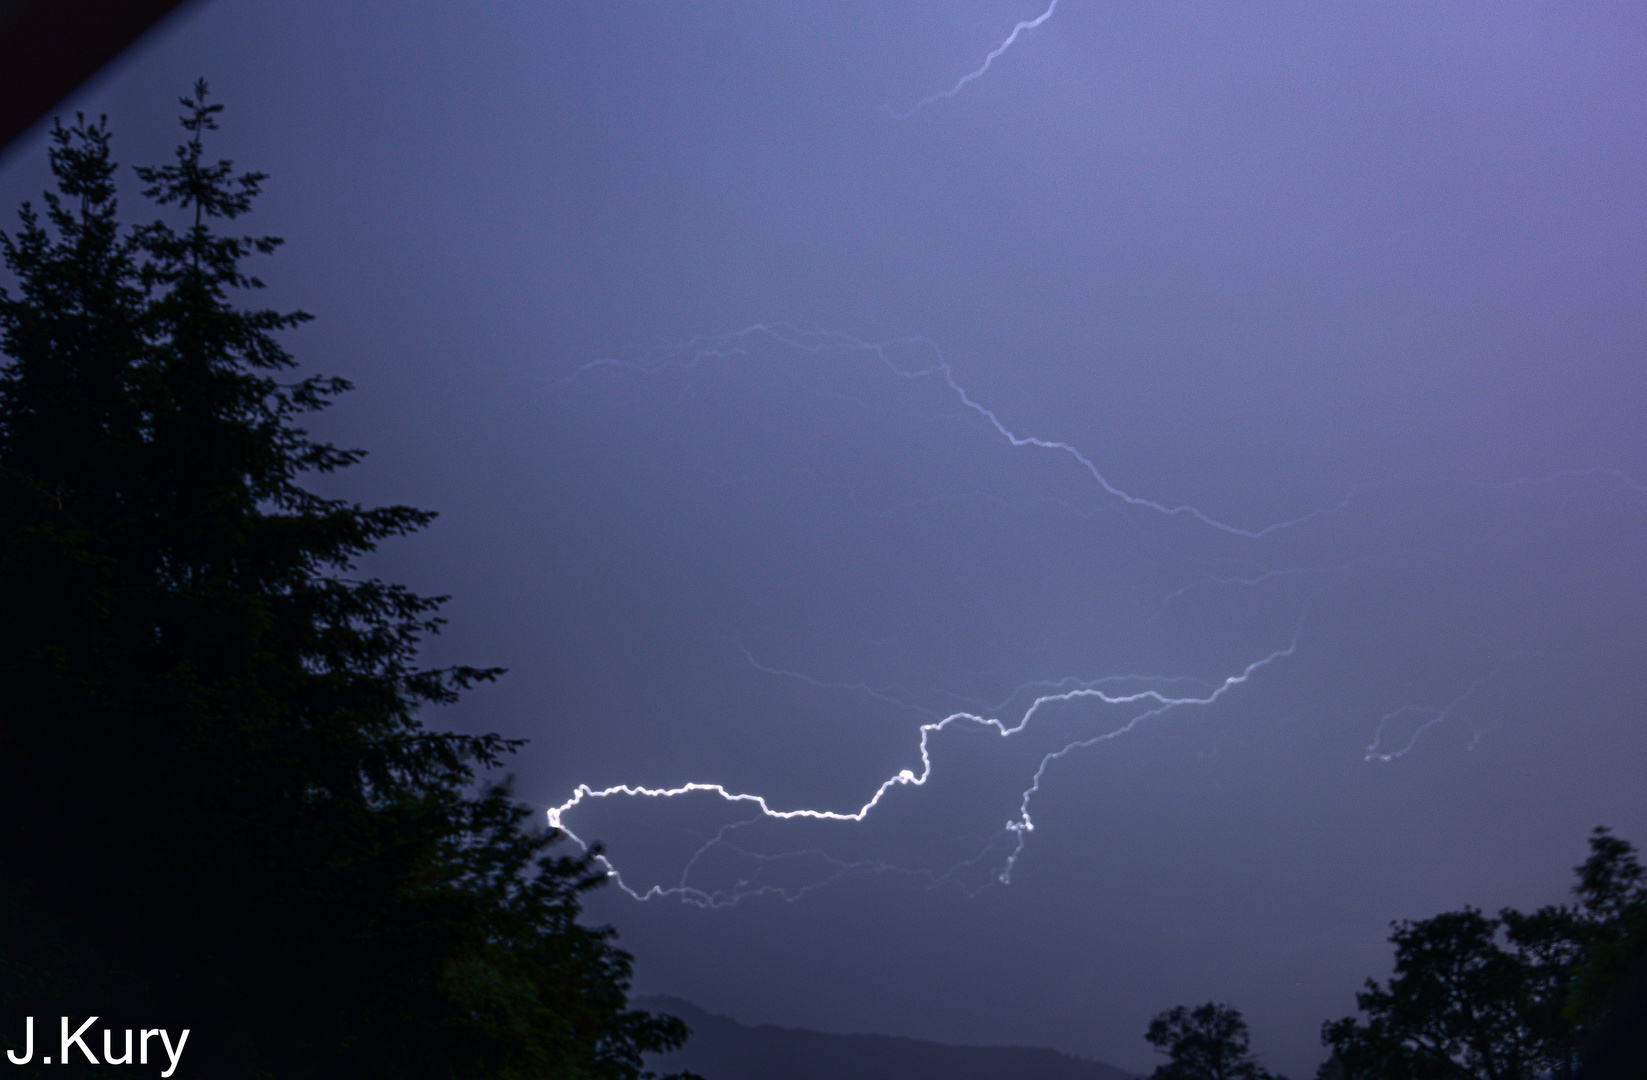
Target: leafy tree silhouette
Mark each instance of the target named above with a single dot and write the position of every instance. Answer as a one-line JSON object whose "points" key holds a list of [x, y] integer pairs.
{"points": [[1209, 1042], [219, 806], [1514, 997]]}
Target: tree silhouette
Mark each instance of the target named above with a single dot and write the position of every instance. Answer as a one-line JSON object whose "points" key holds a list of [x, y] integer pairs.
{"points": [[1209, 1042], [219, 805], [1514, 997], [1611, 921]]}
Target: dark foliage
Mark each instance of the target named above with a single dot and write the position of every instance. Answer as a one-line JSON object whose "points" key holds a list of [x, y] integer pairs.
{"points": [[221, 809], [1209, 1042], [1516, 997]]}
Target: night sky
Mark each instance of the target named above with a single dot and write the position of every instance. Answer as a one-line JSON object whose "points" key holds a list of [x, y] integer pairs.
{"points": [[713, 367]]}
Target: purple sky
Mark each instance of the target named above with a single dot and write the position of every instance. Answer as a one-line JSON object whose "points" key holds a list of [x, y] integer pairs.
{"points": [[1382, 260]]}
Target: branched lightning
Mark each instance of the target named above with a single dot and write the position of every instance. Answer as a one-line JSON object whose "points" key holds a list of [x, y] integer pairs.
{"points": [[1157, 692], [1434, 714], [730, 345], [1018, 827], [1143, 697], [1027, 24]]}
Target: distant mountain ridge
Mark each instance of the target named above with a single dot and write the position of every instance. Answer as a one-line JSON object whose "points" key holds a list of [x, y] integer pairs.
{"points": [[723, 1049]]}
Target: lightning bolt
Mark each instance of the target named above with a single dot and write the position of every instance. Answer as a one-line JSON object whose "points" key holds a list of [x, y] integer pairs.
{"points": [[1159, 697], [725, 346], [1027, 24], [1435, 714], [1148, 696], [1018, 828]]}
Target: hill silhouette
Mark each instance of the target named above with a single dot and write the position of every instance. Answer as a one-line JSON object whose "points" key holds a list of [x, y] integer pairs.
{"points": [[723, 1049]]}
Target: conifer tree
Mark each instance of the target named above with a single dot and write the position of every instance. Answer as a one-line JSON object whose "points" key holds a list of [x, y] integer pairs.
{"points": [[220, 807]]}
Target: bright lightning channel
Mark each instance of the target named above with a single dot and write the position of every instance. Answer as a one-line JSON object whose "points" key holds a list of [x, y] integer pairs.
{"points": [[1017, 828], [1014, 833], [1160, 698], [1027, 24]]}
